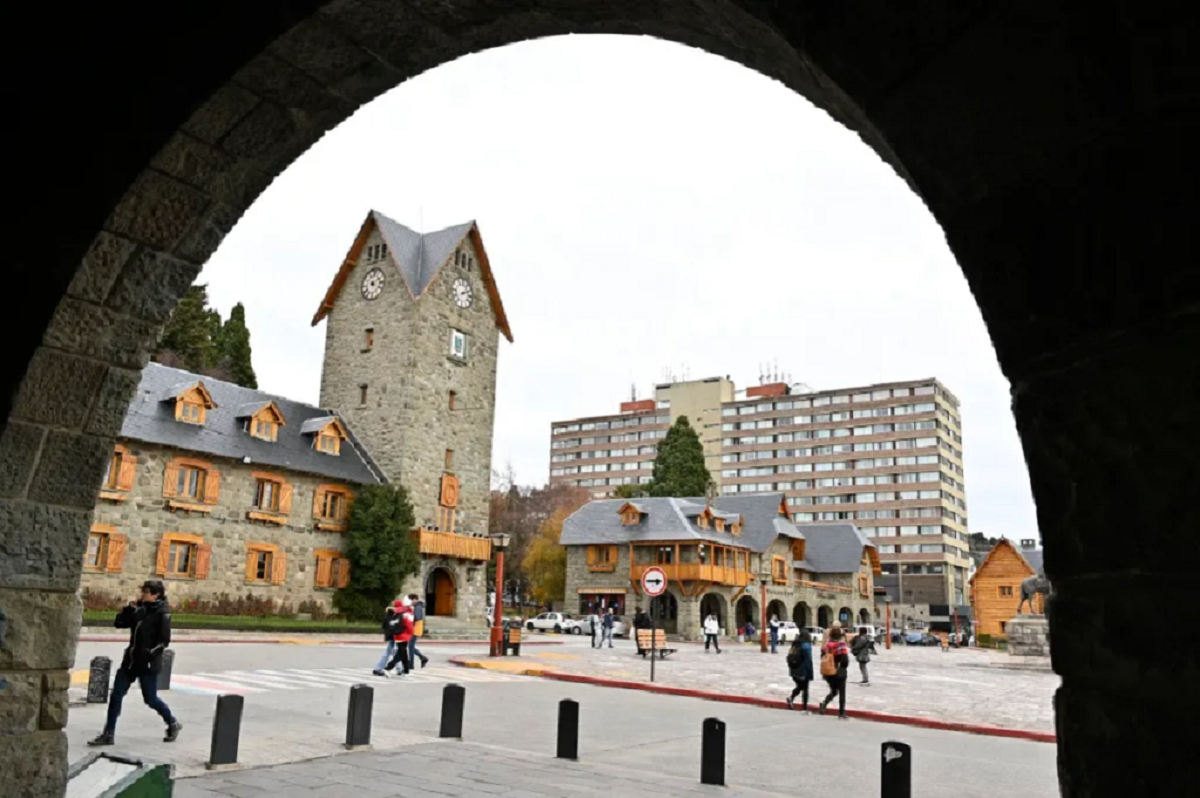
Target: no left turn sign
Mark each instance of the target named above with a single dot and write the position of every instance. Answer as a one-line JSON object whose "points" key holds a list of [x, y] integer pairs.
{"points": [[654, 582]]}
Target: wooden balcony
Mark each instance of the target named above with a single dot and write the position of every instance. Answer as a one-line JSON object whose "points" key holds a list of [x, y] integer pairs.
{"points": [[696, 572], [447, 544], [824, 587]]}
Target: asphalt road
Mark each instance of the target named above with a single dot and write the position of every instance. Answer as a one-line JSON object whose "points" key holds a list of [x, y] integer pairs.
{"points": [[296, 700]]}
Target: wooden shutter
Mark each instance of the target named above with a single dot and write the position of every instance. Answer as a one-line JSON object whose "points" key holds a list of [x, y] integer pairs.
{"points": [[164, 556], [203, 560], [591, 555], [212, 486], [127, 472], [285, 498], [278, 568], [318, 498], [324, 570], [170, 479], [251, 559], [116, 553], [343, 573]]}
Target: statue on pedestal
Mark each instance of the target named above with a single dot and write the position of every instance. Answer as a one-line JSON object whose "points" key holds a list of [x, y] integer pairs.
{"points": [[1031, 587]]}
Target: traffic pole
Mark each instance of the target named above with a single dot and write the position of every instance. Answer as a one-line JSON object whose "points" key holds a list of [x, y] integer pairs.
{"points": [[653, 635]]}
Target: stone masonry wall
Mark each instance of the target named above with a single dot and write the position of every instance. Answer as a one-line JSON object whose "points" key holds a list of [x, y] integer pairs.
{"points": [[144, 517]]}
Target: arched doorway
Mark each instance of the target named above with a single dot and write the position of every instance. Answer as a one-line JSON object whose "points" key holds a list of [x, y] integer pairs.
{"points": [[440, 592], [864, 616], [801, 614], [778, 609], [665, 611], [846, 616], [824, 616], [747, 610], [715, 604]]}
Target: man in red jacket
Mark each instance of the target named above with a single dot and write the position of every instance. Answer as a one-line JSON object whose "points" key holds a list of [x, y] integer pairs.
{"points": [[405, 613]]}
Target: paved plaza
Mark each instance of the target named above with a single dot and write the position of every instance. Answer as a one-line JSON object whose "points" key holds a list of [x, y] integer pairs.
{"points": [[975, 686]]}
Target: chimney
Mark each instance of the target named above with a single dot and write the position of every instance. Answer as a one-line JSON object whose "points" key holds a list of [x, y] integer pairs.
{"points": [[1028, 545]]}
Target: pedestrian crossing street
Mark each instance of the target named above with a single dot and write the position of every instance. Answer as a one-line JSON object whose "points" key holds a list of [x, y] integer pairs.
{"points": [[249, 682]]}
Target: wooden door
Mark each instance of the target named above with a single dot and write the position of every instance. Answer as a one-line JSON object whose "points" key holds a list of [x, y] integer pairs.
{"points": [[443, 593]]}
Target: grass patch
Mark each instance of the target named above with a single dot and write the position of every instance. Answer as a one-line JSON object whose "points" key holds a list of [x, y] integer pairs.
{"points": [[248, 623]]}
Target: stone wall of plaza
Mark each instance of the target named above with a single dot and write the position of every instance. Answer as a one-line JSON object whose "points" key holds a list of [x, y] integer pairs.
{"points": [[406, 375], [835, 591], [144, 515], [891, 464]]}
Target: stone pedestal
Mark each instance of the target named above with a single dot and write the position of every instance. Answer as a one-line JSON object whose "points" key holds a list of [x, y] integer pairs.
{"points": [[1029, 636]]}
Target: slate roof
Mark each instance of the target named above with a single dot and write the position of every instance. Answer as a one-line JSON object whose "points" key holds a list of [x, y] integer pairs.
{"points": [[417, 256], [1034, 558], [833, 548], [151, 419]]}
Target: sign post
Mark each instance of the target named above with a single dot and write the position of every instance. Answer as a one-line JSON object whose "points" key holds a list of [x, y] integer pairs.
{"points": [[654, 584]]}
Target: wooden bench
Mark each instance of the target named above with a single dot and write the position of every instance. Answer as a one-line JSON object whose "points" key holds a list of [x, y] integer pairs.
{"points": [[660, 642]]}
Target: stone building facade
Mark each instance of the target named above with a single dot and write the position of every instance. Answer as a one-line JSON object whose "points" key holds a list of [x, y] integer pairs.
{"points": [[733, 556]]}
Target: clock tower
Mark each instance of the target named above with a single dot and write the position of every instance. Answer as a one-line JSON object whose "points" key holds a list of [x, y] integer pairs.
{"points": [[413, 327]]}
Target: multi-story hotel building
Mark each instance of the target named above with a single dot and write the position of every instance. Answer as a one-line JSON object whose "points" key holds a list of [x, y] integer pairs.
{"points": [[887, 457], [601, 452]]}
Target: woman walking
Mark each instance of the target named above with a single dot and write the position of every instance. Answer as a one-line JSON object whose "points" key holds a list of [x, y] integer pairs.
{"points": [[774, 631], [712, 628], [862, 648], [799, 662], [835, 659]]}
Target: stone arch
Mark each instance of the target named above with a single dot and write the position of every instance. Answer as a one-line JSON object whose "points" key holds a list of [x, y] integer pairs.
{"points": [[777, 608], [991, 152], [665, 611], [824, 616], [441, 592], [747, 610], [802, 614], [715, 603], [864, 615], [845, 616]]}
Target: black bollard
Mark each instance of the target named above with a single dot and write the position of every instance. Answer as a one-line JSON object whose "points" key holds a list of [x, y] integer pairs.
{"points": [[568, 729], [896, 770], [164, 674], [712, 752], [454, 698], [358, 718], [227, 728], [98, 680]]}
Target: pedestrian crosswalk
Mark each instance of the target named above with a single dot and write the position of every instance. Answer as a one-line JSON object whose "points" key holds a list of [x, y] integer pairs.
{"points": [[249, 682]]}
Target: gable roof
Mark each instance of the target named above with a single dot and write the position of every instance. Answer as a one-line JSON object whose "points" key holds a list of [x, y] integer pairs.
{"points": [[836, 548], [418, 257], [1032, 558], [151, 419]]}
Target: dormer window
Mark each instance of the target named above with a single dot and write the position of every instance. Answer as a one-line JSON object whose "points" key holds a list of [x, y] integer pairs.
{"points": [[702, 521], [735, 528], [328, 434], [720, 522], [630, 514], [192, 401], [262, 420]]}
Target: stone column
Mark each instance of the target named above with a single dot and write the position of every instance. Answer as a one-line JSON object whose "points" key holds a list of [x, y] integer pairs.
{"points": [[688, 623]]}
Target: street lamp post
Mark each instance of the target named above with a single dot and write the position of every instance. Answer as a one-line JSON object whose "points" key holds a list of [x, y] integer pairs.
{"points": [[496, 649], [887, 640]]}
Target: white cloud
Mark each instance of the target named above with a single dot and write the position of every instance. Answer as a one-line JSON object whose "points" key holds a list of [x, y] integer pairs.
{"points": [[644, 205]]}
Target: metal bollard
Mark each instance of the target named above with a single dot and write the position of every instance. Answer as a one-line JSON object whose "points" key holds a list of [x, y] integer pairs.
{"points": [[164, 675], [227, 728], [454, 698], [358, 718], [712, 752], [98, 680], [897, 770], [568, 729]]}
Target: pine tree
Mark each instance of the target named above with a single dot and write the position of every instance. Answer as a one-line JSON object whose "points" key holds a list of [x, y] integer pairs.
{"points": [[187, 338], [679, 467], [233, 348], [381, 551]]}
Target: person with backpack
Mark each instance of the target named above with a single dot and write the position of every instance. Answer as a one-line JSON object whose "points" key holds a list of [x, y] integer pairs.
{"points": [[403, 633], [862, 648], [712, 628], [149, 619], [391, 625], [774, 631], [750, 631], [799, 662], [835, 660]]}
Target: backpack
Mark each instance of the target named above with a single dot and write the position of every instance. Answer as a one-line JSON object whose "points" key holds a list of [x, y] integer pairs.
{"points": [[793, 660], [828, 663]]}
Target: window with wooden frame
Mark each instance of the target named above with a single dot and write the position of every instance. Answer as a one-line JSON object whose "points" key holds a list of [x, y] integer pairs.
{"points": [[453, 396], [735, 528], [702, 521], [333, 569], [272, 498], [192, 404], [602, 558], [798, 549], [864, 588], [105, 550], [119, 475], [449, 464], [630, 517], [720, 524], [191, 484], [779, 570], [368, 339], [1006, 591], [183, 556], [265, 423], [331, 507], [265, 564], [328, 439]]}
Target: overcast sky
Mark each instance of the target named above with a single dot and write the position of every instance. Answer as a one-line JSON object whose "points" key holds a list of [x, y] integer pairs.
{"points": [[645, 206]]}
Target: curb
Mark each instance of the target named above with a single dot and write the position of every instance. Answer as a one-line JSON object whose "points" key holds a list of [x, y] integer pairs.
{"points": [[300, 641], [776, 703], [533, 670]]}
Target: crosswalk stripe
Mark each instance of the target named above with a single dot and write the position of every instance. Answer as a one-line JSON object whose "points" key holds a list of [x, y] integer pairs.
{"points": [[254, 680], [267, 679], [331, 680], [193, 684]]}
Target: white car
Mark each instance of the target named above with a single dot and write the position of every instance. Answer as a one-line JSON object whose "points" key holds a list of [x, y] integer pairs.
{"points": [[788, 631], [619, 626], [557, 622], [816, 633]]}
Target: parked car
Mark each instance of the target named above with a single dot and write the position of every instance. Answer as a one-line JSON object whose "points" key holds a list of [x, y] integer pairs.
{"points": [[914, 638], [875, 632], [788, 631], [557, 622], [817, 634]]}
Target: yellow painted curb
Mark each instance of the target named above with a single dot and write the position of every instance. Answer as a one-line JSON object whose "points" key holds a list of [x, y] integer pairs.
{"points": [[79, 677], [519, 668]]}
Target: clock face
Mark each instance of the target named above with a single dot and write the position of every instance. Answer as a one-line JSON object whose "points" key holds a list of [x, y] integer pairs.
{"points": [[463, 295], [372, 284]]}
